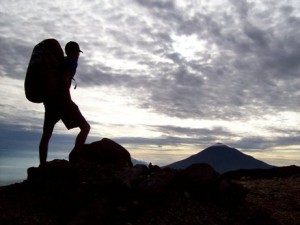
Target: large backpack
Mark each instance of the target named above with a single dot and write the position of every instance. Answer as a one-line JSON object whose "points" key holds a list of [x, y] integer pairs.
{"points": [[44, 71]]}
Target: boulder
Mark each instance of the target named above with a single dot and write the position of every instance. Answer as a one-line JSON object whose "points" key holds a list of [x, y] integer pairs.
{"points": [[200, 174], [156, 184], [57, 171], [103, 152], [198, 179], [58, 182]]}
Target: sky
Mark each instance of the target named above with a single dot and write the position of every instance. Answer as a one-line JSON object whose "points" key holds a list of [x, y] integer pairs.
{"points": [[165, 79]]}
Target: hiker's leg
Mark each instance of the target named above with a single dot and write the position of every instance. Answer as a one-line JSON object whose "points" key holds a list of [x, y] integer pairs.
{"points": [[43, 148], [81, 137], [52, 116], [74, 156]]}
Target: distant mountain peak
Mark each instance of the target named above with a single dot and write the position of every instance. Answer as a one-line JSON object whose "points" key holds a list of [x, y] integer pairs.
{"points": [[219, 144], [222, 158]]}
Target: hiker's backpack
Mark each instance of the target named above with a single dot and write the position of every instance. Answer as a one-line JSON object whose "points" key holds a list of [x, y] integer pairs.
{"points": [[44, 71]]}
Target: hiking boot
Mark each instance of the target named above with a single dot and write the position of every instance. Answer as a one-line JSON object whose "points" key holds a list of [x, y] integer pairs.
{"points": [[74, 156]]}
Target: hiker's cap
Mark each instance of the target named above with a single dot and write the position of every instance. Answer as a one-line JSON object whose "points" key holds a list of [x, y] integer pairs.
{"points": [[71, 47]]}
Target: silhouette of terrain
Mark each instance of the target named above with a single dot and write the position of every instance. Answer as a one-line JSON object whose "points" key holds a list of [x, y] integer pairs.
{"points": [[103, 188], [223, 159]]}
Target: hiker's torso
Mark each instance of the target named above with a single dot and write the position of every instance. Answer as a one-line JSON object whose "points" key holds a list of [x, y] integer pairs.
{"points": [[62, 96]]}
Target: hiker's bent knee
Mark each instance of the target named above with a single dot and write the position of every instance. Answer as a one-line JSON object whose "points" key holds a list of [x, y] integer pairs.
{"points": [[85, 128]]}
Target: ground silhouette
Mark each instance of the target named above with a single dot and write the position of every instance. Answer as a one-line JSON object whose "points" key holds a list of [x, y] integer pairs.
{"points": [[97, 192]]}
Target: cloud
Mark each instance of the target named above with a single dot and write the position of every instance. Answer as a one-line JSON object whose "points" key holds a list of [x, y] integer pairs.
{"points": [[198, 134], [249, 59], [10, 133], [233, 61], [263, 144], [14, 58]]}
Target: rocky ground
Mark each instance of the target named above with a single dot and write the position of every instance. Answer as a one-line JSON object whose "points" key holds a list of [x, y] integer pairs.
{"points": [[99, 186], [62, 193], [278, 198]]}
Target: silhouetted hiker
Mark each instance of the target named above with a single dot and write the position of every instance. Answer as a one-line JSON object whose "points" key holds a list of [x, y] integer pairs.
{"points": [[61, 107]]}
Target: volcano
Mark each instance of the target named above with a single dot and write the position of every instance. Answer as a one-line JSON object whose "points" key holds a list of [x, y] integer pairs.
{"points": [[222, 158]]}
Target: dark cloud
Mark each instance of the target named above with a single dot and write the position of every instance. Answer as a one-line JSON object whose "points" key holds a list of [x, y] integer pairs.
{"points": [[258, 36], [243, 75], [18, 139], [245, 63], [157, 4], [242, 7], [217, 132], [259, 143], [14, 57], [15, 137]]}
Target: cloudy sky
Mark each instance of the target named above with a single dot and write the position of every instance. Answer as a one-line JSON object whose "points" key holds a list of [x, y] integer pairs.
{"points": [[163, 78]]}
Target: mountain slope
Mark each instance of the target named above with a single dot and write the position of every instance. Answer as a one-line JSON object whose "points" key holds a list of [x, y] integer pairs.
{"points": [[223, 159]]}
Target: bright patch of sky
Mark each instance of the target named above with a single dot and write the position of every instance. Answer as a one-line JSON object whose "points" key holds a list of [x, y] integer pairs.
{"points": [[163, 78]]}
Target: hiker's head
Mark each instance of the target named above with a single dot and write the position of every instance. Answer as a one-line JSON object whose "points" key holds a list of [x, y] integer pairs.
{"points": [[72, 49]]}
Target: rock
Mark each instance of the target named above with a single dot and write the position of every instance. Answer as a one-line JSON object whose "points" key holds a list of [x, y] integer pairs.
{"points": [[230, 193], [156, 183], [280, 172], [103, 152], [130, 177], [61, 193], [261, 218], [60, 182], [200, 173], [198, 179], [60, 171]]}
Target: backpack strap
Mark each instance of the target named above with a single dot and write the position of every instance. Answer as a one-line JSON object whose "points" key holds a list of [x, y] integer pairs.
{"points": [[75, 83]]}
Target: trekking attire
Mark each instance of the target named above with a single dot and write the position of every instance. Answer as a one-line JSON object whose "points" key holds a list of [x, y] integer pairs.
{"points": [[61, 106], [48, 79]]}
